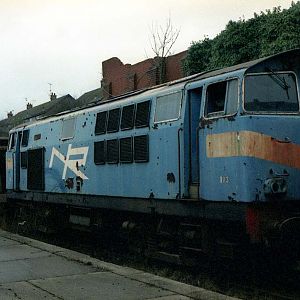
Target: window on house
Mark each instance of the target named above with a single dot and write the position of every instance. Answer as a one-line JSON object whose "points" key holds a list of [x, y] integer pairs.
{"points": [[127, 117], [110, 90], [141, 148], [99, 153], [142, 114], [113, 120], [222, 98], [126, 150], [68, 129], [135, 82], [112, 152], [168, 107], [25, 138], [100, 127]]}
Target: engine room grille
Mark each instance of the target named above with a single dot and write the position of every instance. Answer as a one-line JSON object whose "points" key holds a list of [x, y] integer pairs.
{"points": [[113, 120], [127, 117], [24, 158], [126, 150], [100, 127], [35, 169], [112, 151], [142, 114], [99, 153], [141, 148]]}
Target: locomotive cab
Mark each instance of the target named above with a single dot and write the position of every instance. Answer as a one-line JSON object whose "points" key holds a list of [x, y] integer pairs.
{"points": [[252, 145]]}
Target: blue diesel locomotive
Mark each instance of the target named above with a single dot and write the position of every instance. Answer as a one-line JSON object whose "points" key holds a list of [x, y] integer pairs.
{"points": [[206, 164]]}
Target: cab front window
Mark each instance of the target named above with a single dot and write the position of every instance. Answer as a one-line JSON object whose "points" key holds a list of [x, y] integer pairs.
{"points": [[272, 92]]}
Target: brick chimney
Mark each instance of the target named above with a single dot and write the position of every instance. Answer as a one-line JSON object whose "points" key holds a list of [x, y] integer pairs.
{"points": [[10, 114], [53, 96], [29, 105]]}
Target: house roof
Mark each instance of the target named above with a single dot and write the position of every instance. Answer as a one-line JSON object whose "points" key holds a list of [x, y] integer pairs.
{"points": [[89, 98], [49, 108]]}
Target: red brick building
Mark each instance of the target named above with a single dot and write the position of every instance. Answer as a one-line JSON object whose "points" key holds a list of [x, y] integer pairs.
{"points": [[119, 78]]}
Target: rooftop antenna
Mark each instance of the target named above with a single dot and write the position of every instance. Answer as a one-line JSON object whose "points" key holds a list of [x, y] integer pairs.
{"points": [[50, 87]]}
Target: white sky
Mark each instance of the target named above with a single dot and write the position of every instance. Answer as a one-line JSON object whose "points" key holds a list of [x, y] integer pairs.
{"points": [[63, 42]]}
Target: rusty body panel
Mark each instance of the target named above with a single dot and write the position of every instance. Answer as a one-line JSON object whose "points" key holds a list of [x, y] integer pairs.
{"points": [[253, 144]]}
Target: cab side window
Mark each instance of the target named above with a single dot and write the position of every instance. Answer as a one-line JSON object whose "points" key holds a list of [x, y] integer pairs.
{"points": [[221, 98], [12, 141], [25, 138]]}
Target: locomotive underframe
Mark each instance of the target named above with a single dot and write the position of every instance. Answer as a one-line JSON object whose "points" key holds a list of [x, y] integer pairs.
{"points": [[232, 211], [170, 230]]}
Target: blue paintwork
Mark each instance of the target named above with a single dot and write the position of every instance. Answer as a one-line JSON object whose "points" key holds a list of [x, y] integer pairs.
{"points": [[132, 180], [144, 180]]}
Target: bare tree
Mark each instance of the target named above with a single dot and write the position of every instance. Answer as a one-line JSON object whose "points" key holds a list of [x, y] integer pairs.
{"points": [[162, 41]]}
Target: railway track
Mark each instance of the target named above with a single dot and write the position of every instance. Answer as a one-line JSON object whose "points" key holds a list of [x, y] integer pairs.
{"points": [[234, 279]]}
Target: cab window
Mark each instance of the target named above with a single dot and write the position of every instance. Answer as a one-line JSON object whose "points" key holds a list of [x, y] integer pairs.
{"points": [[221, 98], [25, 138], [273, 92], [12, 141]]}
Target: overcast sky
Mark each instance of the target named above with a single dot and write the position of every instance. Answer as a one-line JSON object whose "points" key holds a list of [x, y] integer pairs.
{"points": [[63, 42]]}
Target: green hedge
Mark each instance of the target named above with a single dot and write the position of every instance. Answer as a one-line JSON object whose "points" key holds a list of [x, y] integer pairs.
{"points": [[265, 34]]}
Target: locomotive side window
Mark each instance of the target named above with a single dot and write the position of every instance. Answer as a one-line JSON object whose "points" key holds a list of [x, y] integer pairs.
{"points": [[99, 153], [112, 151], [142, 114], [24, 159], [113, 120], [221, 98], [168, 107], [141, 148], [100, 127], [127, 117], [271, 92], [68, 129], [25, 138], [126, 153]]}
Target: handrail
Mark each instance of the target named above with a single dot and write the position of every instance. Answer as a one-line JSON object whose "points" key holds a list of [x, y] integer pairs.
{"points": [[198, 159], [179, 160]]}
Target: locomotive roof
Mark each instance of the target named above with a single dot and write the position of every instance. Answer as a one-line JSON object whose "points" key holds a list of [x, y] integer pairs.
{"points": [[152, 91]]}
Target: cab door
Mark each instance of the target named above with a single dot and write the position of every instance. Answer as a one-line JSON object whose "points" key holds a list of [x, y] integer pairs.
{"points": [[10, 162], [217, 123], [193, 116], [17, 160]]}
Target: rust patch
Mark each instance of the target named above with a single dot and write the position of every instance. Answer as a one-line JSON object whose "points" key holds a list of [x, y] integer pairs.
{"points": [[253, 144]]}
